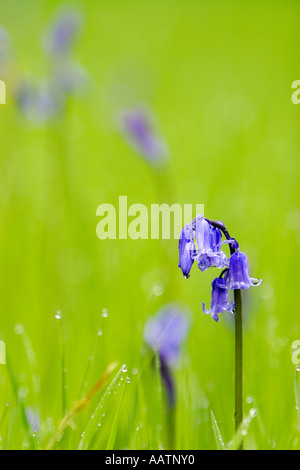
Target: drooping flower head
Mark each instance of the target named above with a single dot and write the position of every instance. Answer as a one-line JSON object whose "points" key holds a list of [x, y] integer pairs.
{"points": [[208, 254], [219, 299], [209, 245], [239, 277], [138, 128], [41, 102]]}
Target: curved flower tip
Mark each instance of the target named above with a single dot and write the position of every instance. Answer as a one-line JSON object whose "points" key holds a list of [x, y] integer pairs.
{"points": [[239, 272], [219, 299]]}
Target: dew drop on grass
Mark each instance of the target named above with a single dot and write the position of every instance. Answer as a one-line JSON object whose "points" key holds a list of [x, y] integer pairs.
{"points": [[19, 329], [124, 368], [105, 313], [128, 380], [100, 333], [58, 315], [298, 367]]}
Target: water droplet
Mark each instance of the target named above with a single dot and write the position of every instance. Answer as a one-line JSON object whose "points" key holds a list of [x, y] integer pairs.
{"points": [[58, 315], [124, 368], [298, 367], [23, 391], [252, 412], [249, 399], [100, 333], [128, 380], [135, 371], [19, 329], [158, 290], [105, 313]]}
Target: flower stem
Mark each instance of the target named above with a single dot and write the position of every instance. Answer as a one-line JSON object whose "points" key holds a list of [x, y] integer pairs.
{"points": [[238, 360], [238, 416]]}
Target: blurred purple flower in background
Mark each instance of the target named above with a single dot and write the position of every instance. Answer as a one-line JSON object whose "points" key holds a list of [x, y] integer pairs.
{"points": [[164, 333], [138, 127], [42, 102], [62, 33], [5, 53], [37, 102]]}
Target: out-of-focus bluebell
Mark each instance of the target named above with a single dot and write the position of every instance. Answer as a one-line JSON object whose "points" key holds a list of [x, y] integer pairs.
{"points": [[33, 418], [5, 53], [70, 78], [164, 333], [138, 128], [37, 102], [62, 33], [42, 102]]}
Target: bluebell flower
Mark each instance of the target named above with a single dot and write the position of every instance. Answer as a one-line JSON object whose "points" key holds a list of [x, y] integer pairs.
{"points": [[187, 250], [208, 235], [209, 241], [219, 299], [164, 334], [137, 127], [239, 272], [165, 331], [5, 53], [62, 33], [69, 78], [37, 102]]}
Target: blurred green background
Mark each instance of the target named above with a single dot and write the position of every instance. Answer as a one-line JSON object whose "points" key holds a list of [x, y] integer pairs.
{"points": [[217, 76]]}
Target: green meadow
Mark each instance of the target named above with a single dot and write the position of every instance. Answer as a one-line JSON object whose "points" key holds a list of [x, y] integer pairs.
{"points": [[75, 371]]}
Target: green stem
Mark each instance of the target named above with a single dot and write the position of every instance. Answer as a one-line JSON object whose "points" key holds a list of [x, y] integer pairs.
{"points": [[62, 361], [238, 359]]}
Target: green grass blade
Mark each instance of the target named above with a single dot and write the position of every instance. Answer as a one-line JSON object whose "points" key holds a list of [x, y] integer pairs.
{"points": [[218, 437], [2, 353], [36, 441], [242, 431], [114, 426], [92, 426], [297, 392]]}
